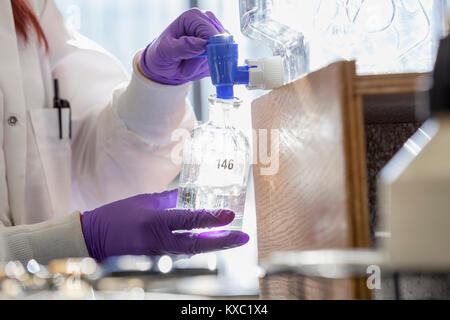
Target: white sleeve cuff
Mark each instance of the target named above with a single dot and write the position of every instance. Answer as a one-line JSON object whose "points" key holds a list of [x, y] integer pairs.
{"points": [[45, 241], [150, 109]]}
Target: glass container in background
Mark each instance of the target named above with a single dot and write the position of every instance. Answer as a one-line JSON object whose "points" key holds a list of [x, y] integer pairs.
{"points": [[285, 39], [216, 164], [383, 36]]}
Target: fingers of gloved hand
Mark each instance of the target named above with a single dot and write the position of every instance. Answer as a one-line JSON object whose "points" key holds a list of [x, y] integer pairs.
{"points": [[185, 47], [190, 219], [195, 22], [193, 243], [163, 200]]}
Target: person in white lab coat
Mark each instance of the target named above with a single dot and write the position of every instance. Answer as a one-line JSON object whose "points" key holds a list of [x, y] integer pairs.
{"points": [[116, 144]]}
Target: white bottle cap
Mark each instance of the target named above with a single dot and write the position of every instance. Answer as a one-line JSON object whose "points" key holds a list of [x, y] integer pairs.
{"points": [[266, 73]]}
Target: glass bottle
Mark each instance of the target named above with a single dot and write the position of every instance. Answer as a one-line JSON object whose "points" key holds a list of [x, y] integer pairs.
{"points": [[216, 164]]}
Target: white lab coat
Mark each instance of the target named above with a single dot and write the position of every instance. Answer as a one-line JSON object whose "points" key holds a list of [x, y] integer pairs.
{"points": [[121, 130]]}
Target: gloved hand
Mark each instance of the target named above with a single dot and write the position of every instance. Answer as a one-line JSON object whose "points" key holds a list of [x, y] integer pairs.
{"points": [[167, 59], [141, 225]]}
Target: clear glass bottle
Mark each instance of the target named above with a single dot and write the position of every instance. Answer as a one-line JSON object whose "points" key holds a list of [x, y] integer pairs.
{"points": [[216, 164]]}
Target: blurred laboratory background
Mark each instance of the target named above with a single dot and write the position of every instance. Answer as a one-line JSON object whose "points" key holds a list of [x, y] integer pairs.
{"points": [[382, 36]]}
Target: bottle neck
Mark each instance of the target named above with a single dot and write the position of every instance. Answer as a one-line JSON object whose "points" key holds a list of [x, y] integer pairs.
{"points": [[221, 110], [220, 114]]}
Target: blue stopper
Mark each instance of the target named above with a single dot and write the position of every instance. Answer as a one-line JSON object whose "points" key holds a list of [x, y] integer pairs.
{"points": [[222, 54]]}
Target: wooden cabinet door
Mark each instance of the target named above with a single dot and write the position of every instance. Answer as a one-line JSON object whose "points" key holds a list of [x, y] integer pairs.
{"points": [[313, 193]]}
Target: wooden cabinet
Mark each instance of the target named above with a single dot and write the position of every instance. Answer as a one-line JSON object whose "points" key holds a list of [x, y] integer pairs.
{"points": [[316, 129]]}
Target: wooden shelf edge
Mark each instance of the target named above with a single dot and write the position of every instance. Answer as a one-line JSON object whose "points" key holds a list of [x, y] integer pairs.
{"points": [[392, 83]]}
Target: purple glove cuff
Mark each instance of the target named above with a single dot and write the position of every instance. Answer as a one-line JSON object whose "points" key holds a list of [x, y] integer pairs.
{"points": [[86, 226]]}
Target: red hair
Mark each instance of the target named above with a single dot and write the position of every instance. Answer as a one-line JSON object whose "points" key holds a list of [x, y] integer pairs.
{"points": [[24, 18]]}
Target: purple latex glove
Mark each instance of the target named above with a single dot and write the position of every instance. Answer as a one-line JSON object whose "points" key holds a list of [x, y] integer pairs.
{"points": [[142, 225], [168, 59]]}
